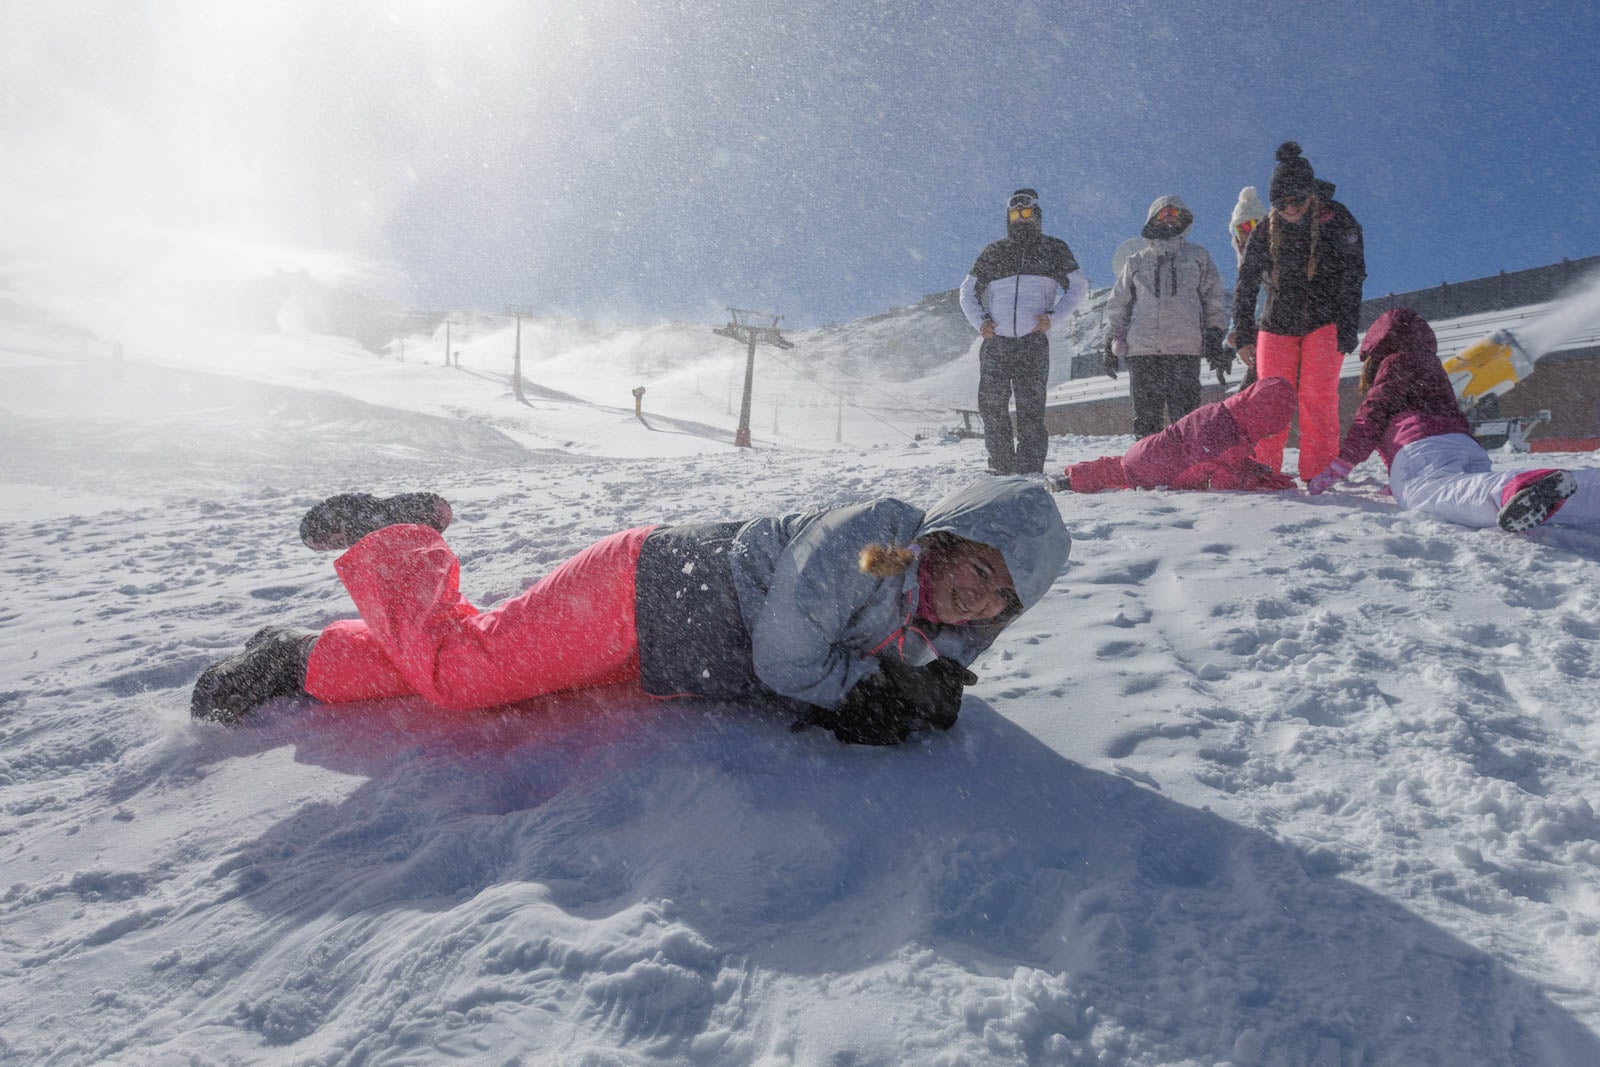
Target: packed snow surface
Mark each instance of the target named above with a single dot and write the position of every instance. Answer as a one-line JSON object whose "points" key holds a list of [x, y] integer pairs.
{"points": [[1265, 780]]}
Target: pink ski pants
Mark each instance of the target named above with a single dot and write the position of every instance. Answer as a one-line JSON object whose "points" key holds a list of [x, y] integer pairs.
{"points": [[1311, 364], [417, 634]]}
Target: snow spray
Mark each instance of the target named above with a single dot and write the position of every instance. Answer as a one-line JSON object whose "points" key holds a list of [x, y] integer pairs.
{"points": [[1571, 315]]}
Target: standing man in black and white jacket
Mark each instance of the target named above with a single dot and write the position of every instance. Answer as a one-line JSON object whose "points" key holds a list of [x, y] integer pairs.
{"points": [[1017, 288]]}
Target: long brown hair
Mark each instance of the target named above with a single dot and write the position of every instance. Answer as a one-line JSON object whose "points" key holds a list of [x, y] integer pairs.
{"points": [[1275, 239], [1369, 370]]}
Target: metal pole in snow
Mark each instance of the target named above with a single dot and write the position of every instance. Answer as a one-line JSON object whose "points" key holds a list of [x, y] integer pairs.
{"points": [[516, 366], [741, 436]]}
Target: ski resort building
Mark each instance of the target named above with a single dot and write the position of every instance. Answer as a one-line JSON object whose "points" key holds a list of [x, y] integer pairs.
{"points": [[1558, 405]]}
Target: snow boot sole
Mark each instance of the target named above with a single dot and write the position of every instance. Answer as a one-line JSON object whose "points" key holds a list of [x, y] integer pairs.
{"points": [[340, 521], [1535, 502]]}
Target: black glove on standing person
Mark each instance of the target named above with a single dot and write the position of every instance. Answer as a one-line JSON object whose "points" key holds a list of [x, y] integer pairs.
{"points": [[1110, 360], [886, 706], [1347, 340], [1215, 355]]}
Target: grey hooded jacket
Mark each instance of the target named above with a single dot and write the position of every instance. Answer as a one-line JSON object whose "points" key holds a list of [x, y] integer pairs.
{"points": [[779, 609], [1168, 294]]}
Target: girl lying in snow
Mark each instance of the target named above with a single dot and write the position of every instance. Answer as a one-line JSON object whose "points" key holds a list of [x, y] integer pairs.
{"points": [[1409, 414], [860, 618], [1212, 447]]}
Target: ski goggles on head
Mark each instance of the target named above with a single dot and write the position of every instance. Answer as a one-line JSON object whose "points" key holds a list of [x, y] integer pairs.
{"points": [[1022, 200]]}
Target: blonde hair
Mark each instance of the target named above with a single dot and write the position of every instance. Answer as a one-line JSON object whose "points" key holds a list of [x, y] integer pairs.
{"points": [[886, 561], [1313, 203]]}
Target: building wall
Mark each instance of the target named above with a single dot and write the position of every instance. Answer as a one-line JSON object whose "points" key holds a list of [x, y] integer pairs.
{"points": [[1568, 386], [1497, 292]]}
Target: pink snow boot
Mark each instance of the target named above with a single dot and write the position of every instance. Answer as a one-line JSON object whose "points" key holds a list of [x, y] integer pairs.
{"points": [[1093, 476], [1532, 497]]}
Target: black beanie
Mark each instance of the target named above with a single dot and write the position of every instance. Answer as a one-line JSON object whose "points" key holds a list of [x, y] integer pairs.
{"points": [[1292, 177]]}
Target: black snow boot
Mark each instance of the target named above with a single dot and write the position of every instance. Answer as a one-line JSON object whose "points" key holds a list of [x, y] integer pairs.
{"points": [[273, 664], [340, 521], [1535, 501]]}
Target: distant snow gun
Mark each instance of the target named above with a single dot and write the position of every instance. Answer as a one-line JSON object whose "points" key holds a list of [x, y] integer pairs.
{"points": [[1480, 374], [1488, 367]]}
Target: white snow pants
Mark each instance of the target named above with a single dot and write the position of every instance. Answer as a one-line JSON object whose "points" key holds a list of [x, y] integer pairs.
{"points": [[1450, 477]]}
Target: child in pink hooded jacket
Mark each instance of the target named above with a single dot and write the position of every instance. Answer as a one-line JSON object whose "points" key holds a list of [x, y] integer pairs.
{"points": [[1410, 416]]}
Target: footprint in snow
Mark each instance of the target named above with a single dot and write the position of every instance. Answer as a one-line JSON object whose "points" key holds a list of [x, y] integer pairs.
{"points": [[1420, 548], [276, 592], [1127, 574]]}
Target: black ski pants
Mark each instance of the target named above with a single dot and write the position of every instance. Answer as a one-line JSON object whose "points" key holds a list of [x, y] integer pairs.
{"points": [[1164, 390], [1016, 367]]}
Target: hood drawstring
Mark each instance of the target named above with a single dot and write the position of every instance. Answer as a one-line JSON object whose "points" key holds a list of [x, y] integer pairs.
{"points": [[898, 635]]}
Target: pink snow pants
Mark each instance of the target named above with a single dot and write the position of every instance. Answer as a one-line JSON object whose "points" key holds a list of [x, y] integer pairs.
{"points": [[1311, 364], [1209, 448], [417, 634]]}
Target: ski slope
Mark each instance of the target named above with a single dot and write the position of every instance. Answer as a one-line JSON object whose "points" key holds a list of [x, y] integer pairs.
{"points": [[1265, 780]]}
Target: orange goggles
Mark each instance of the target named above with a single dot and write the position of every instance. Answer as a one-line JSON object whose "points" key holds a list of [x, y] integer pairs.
{"points": [[1022, 214], [1167, 214]]}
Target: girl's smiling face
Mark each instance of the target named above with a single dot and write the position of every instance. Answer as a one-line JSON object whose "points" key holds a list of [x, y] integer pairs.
{"points": [[967, 582], [1293, 210]]}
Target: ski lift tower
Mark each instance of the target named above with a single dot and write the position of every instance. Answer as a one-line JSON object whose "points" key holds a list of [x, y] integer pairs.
{"points": [[753, 328]]}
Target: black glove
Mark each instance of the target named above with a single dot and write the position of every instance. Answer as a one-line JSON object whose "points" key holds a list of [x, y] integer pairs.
{"points": [[1347, 340], [886, 706], [1110, 360], [1215, 355]]}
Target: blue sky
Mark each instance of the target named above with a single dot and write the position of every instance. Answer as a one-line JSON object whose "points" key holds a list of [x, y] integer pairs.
{"points": [[825, 160]]}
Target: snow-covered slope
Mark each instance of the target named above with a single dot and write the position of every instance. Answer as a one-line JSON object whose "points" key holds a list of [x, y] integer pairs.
{"points": [[1265, 780]]}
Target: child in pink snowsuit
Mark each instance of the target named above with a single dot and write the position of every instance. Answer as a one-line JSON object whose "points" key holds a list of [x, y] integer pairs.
{"points": [[861, 618], [1410, 415], [1212, 447]]}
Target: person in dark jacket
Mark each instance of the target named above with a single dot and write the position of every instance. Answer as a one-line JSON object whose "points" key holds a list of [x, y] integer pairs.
{"points": [[1310, 259], [1165, 314], [1410, 415], [861, 618], [1019, 286]]}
